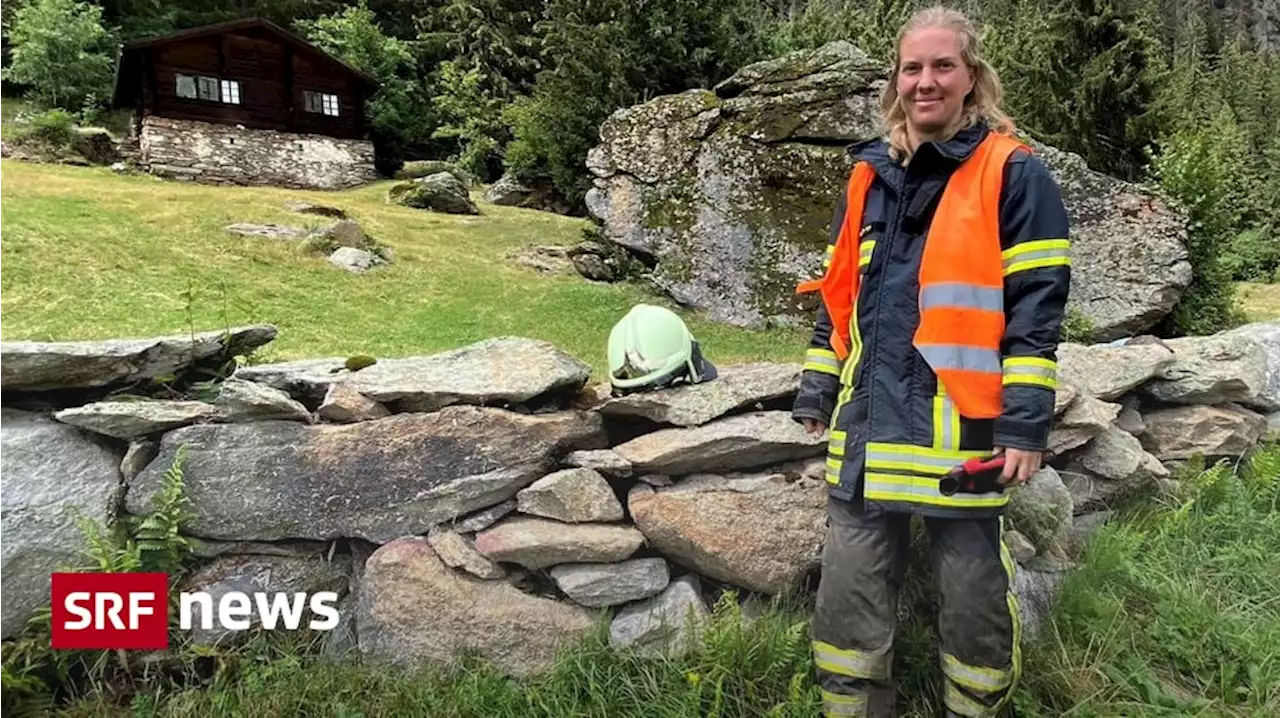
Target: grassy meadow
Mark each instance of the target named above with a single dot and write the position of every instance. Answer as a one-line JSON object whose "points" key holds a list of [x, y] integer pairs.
{"points": [[88, 254], [1172, 612]]}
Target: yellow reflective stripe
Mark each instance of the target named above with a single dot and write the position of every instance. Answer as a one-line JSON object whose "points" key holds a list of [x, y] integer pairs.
{"points": [[1036, 254], [827, 255], [822, 360], [1035, 246], [849, 662], [961, 704], [1031, 370], [923, 490], [979, 679], [836, 704], [865, 250], [946, 422], [1037, 264], [922, 460], [835, 447], [1015, 616]]}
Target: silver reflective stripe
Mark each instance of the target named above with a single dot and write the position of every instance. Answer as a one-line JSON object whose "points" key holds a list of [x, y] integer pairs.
{"points": [[854, 664], [879, 457], [946, 421], [959, 294], [836, 704], [961, 704], [907, 488], [1032, 256], [827, 361], [835, 445], [1037, 370], [977, 679], [961, 358]]}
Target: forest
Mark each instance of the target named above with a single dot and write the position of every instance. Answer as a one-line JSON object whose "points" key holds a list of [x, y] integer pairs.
{"points": [[1173, 93]]}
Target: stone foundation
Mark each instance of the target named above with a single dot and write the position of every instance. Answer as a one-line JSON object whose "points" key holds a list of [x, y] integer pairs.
{"points": [[230, 154]]}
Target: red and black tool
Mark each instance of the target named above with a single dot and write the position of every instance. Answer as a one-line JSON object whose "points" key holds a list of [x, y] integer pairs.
{"points": [[975, 476]]}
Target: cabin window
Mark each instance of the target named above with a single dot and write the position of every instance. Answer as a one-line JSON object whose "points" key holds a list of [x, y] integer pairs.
{"points": [[321, 102], [208, 88], [186, 86], [231, 92]]}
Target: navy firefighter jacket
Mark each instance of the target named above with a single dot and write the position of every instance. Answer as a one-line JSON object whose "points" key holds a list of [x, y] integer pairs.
{"points": [[891, 424]]}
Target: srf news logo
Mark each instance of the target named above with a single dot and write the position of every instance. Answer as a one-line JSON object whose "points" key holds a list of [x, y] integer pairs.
{"points": [[131, 610]]}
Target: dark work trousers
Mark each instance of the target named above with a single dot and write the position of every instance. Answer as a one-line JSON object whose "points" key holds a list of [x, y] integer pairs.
{"points": [[863, 564]]}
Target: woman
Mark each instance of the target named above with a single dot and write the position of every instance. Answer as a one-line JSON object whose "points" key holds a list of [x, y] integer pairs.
{"points": [[943, 294]]}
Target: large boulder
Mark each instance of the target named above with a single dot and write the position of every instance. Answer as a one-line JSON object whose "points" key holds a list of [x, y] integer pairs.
{"points": [[1183, 432], [731, 192], [440, 192], [760, 532], [374, 480], [415, 610], [1235, 366], [52, 475]]}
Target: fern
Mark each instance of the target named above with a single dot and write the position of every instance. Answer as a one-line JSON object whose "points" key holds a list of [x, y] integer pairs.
{"points": [[161, 546]]}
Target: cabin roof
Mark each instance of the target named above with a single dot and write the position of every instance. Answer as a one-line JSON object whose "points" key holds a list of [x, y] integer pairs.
{"points": [[130, 48]]}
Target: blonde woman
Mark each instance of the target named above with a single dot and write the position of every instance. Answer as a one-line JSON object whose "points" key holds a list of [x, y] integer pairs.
{"points": [[933, 364]]}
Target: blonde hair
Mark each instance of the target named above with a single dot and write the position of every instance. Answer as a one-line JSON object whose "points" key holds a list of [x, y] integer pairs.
{"points": [[982, 103]]}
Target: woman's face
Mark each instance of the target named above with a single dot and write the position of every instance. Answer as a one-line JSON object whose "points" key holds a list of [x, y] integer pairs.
{"points": [[933, 79]]}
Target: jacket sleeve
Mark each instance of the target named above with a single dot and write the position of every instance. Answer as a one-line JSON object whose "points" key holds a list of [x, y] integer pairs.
{"points": [[820, 378], [1036, 250]]}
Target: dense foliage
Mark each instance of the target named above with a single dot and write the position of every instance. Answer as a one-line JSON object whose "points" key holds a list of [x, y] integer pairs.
{"points": [[1172, 92]]}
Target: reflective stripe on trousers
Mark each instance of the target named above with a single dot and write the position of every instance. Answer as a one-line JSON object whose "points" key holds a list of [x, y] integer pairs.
{"points": [[854, 625]]}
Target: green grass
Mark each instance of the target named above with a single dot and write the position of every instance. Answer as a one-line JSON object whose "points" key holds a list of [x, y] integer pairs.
{"points": [[1173, 611], [1261, 301], [91, 255], [10, 109]]}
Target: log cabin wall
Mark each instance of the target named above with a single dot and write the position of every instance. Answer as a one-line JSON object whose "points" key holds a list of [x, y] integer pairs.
{"points": [[270, 84]]}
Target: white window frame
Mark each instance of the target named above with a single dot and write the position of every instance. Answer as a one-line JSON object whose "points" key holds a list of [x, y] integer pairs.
{"points": [[230, 91], [325, 103], [209, 89]]}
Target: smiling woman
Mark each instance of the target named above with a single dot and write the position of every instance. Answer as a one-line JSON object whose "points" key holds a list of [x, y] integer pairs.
{"points": [[942, 81], [934, 345]]}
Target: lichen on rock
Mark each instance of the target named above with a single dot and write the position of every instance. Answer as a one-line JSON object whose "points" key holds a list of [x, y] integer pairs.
{"points": [[730, 194]]}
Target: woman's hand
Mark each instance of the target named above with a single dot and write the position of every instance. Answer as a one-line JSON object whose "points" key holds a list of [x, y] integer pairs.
{"points": [[1019, 465], [813, 426]]}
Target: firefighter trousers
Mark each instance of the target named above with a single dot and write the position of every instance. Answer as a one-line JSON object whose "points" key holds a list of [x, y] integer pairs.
{"points": [[863, 564]]}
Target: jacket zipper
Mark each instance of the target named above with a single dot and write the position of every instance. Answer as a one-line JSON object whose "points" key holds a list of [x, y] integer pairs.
{"points": [[873, 339]]}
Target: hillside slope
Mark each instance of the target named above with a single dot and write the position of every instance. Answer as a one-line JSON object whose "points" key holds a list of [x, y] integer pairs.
{"points": [[89, 254]]}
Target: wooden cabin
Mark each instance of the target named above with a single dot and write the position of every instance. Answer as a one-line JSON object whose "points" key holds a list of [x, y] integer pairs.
{"points": [[248, 72]]}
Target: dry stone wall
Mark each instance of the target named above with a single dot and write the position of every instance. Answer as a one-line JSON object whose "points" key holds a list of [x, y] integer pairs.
{"points": [[495, 500], [231, 154]]}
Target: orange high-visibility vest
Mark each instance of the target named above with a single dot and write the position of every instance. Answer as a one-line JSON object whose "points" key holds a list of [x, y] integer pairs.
{"points": [[961, 279]]}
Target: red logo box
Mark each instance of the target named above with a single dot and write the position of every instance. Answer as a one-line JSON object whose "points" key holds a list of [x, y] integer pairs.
{"points": [[110, 610]]}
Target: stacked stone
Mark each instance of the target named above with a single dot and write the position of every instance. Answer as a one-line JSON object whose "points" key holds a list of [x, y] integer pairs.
{"points": [[490, 500]]}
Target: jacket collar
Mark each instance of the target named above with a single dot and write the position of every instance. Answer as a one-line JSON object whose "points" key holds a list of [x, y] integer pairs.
{"points": [[954, 150]]}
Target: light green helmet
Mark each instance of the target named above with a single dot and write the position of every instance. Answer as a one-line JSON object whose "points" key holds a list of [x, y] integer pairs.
{"points": [[651, 348]]}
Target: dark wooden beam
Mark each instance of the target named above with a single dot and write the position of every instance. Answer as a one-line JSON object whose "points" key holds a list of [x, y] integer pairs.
{"points": [[151, 88], [290, 102]]}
